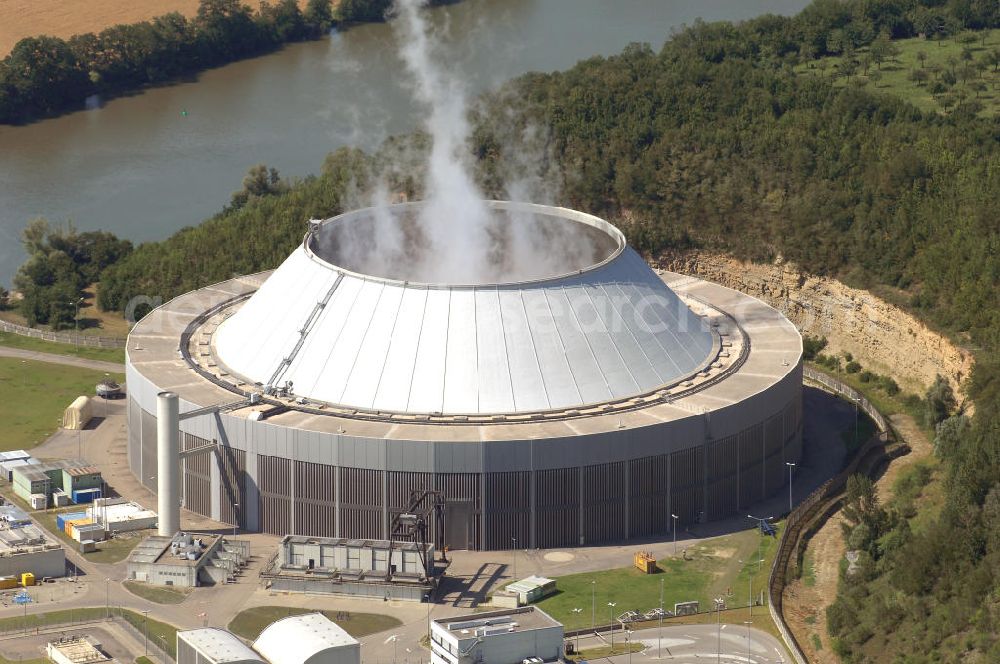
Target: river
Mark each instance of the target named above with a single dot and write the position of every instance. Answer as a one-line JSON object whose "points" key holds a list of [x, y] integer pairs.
{"points": [[146, 165]]}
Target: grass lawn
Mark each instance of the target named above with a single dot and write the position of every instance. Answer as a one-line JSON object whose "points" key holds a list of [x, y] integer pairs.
{"points": [[142, 659], [251, 622], [158, 594], [943, 59], [708, 570], [108, 552], [33, 396], [29, 343]]}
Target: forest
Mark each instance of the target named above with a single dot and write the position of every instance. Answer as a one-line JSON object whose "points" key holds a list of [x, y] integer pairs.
{"points": [[715, 141], [44, 76]]}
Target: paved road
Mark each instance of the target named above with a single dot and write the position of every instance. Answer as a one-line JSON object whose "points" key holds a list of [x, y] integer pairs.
{"points": [[726, 644], [68, 360]]}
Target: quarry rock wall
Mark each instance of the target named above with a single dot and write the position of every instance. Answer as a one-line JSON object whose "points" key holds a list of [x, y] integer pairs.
{"points": [[881, 336]]}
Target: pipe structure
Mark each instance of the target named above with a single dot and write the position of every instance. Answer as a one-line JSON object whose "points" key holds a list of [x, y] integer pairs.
{"points": [[168, 463]]}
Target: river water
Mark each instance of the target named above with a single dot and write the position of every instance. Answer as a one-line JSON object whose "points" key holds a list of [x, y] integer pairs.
{"points": [[147, 165]]}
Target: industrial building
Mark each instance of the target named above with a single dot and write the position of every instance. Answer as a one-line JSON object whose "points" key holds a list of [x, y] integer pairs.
{"points": [[28, 549], [361, 568], [584, 405], [12, 459], [118, 515], [499, 637], [187, 560], [76, 650], [74, 477], [311, 638], [531, 589], [213, 646]]}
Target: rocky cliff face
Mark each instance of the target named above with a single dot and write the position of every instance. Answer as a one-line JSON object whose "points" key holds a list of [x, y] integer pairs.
{"points": [[882, 337]]}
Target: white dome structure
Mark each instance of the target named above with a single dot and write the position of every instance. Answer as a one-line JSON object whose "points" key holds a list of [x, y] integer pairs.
{"points": [[311, 638], [593, 326]]}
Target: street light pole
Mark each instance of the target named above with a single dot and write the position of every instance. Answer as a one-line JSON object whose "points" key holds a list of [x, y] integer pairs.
{"points": [[611, 612], [790, 466], [577, 611], [593, 606], [748, 623], [856, 402], [428, 598], [145, 633], [659, 631], [718, 626], [107, 599], [76, 322], [750, 574], [674, 517]]}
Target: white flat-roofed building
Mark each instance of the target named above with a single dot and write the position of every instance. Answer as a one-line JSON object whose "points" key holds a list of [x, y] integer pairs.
{"points": [[311, 638], [213, 646], [499, 637], [120, 515], [76, 650]]}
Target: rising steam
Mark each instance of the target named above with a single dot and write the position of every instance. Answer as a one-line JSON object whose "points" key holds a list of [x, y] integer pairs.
{"points": [[454, 237]]}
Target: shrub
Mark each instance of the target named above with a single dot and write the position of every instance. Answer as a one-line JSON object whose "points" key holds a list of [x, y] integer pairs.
{"points": [[867, 377], [812, 346], [889, 385], [852, 367]]}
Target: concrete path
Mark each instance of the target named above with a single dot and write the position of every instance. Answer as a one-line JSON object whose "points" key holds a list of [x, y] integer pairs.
{"points": [[68, 360]]}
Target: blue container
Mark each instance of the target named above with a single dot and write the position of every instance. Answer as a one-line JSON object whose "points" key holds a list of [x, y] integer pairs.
{"points": [[86, 496], [61, 519]]}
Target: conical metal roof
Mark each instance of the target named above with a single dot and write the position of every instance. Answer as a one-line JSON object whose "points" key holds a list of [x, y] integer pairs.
{"points": [[605, 332]]}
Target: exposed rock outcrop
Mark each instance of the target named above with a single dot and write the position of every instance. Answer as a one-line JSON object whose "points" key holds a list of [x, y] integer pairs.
{"points": [[881, 336]]}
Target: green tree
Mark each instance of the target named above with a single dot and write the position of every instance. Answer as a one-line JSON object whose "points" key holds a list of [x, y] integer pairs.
{"points": [[939, 401], [319, 14], [353, 11]]}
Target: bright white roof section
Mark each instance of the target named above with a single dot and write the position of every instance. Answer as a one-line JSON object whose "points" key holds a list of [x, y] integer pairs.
{"points": [[306, 639], [219, 646], [608, 332]]}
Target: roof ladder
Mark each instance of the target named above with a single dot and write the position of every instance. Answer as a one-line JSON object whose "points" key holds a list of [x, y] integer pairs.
{"points": [[272, 384]]}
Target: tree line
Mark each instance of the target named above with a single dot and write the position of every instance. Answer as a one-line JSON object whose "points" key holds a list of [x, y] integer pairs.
{"points": [[44, 75]]}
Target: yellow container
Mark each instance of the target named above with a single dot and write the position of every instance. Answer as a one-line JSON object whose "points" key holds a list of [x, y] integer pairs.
{"points": [[645, 562], [27, 579], [68, 528], [8, 582]]}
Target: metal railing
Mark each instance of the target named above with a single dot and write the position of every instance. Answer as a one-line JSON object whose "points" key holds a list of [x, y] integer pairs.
{"points": [[842, 389], [62, 337], [806, 512]]}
